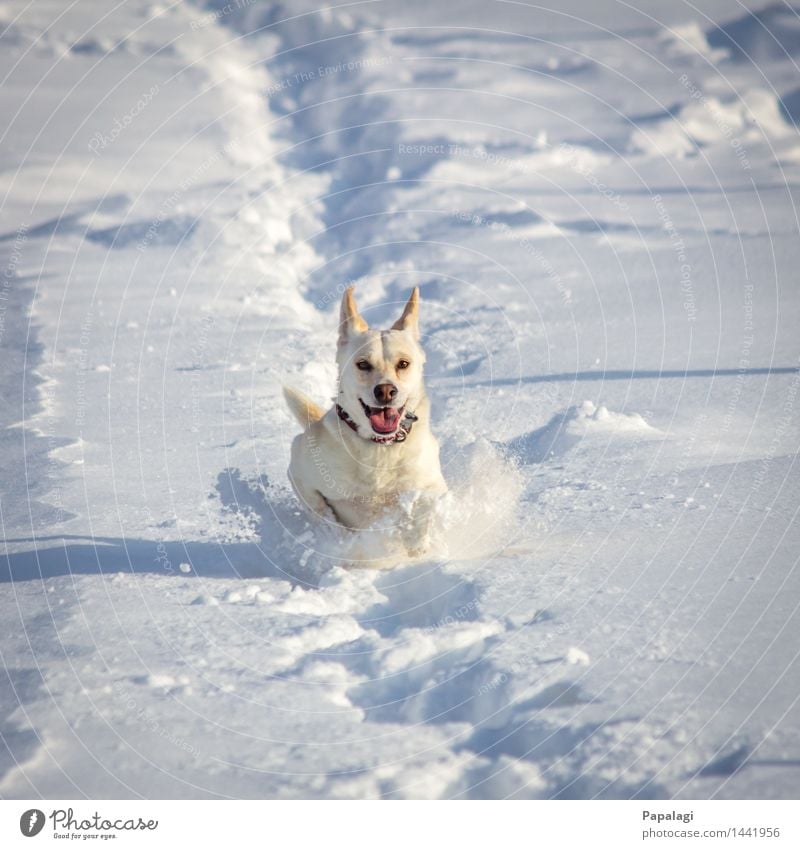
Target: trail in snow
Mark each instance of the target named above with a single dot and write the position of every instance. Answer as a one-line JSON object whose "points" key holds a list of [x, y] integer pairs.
{"points": [[599, 209]]}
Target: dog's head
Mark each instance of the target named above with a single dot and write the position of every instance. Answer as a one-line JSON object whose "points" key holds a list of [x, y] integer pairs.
{"points": [[380, 371]]}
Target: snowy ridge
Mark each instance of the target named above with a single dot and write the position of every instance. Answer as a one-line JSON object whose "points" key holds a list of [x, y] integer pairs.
{"points": [[600, 216]]}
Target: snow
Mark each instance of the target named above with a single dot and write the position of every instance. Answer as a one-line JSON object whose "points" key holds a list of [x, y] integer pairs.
{"points": [[598, 204], [577, 657]]}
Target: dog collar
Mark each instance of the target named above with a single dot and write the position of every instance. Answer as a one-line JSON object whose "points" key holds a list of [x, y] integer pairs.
{"points": [[400, 435]]}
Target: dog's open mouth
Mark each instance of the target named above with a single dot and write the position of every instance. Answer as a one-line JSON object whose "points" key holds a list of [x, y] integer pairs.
{"points": [[383, 419]]}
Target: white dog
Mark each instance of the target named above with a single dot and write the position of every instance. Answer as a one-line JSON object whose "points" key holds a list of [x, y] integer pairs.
{"points": [[356, 461]]}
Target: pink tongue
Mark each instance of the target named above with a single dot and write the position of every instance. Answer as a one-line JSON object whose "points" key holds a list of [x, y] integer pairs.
{"points": [[385, 420]]}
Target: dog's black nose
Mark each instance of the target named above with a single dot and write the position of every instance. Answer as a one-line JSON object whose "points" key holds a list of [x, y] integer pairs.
{"points": [[385, 393]]}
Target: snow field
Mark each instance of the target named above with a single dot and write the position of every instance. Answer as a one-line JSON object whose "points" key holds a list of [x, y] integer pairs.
{"points": [[599, 208]]}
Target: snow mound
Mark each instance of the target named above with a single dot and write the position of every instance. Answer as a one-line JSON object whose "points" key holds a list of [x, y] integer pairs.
{"points": [[708, 120], [689, 40], [758, 37], [585, 423]]}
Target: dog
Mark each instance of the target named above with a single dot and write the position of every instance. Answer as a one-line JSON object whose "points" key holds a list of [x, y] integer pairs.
{"points": [[372, 453]]}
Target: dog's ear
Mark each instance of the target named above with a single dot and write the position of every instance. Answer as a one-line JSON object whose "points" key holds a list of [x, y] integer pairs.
{"points": [[409, 320], [350, 320]]}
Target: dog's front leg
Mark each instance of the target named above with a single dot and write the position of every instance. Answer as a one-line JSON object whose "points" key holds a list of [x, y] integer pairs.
{"points": [[417, 530], [313, 501]]}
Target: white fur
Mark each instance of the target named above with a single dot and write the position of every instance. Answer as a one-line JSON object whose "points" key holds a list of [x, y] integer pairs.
{"points": [[343, 476]]}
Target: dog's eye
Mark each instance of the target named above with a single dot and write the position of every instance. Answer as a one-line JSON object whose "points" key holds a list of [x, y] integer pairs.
{"points": [[363, 365], [403, 364]]}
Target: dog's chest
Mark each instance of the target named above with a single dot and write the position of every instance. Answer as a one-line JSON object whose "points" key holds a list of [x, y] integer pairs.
{"points": [[362, 496], [382, 473], [366, 481]]}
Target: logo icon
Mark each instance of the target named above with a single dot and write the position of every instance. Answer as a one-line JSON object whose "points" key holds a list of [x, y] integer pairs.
{"points": [[31, 822]]}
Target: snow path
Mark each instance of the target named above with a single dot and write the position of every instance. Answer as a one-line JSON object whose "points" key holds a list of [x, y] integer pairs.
{"points": [[610, 309]]}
